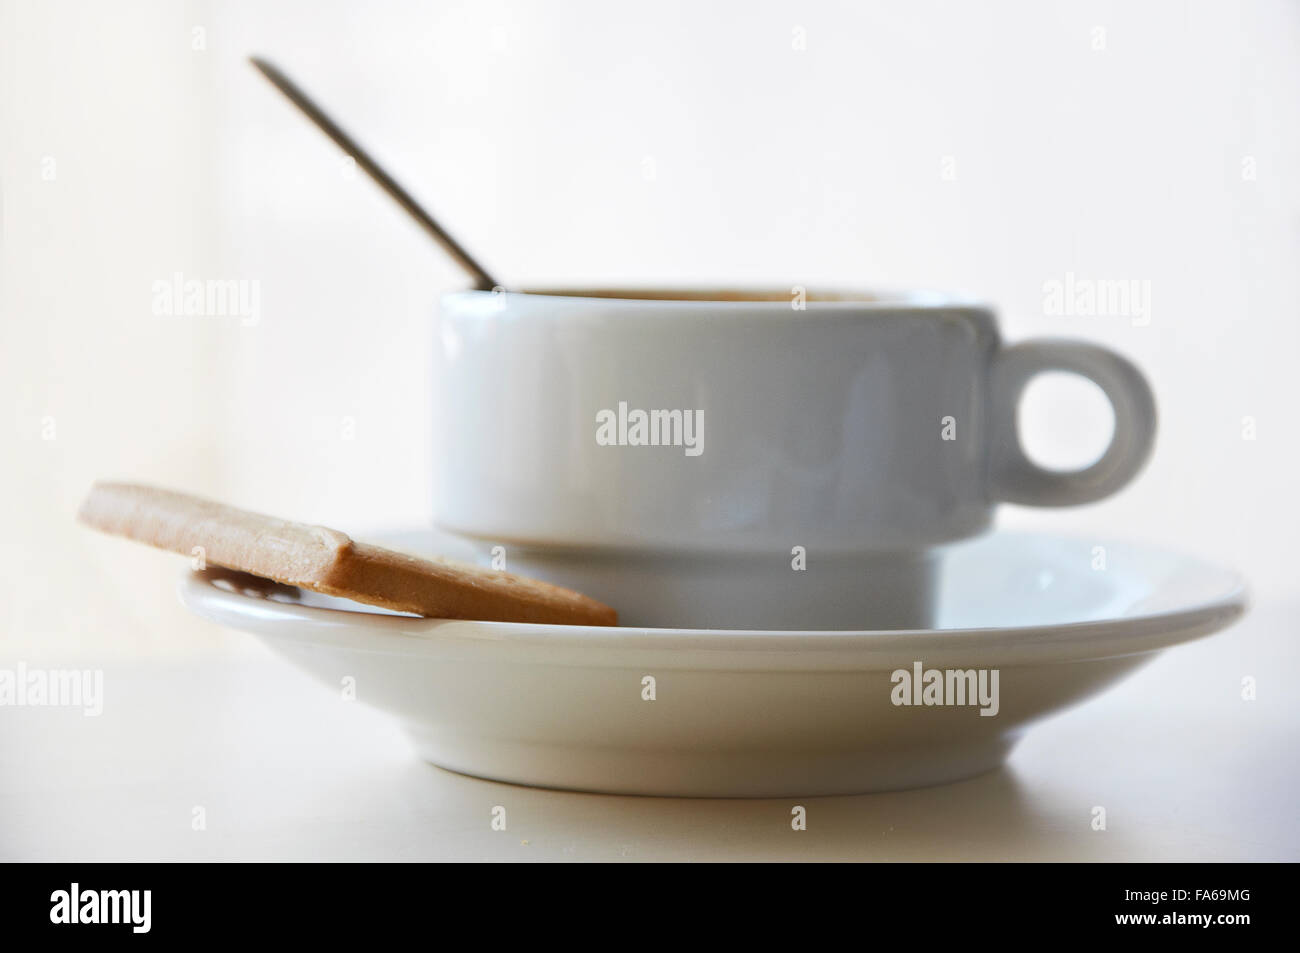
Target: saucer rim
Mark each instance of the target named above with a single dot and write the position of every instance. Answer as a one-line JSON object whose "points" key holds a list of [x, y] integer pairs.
{"points": [[1108, 637]]}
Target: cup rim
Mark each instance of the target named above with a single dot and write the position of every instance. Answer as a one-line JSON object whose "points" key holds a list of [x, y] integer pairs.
{"points": [[739, 297]]}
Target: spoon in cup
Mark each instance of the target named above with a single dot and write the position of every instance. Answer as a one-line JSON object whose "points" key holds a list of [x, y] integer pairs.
{"points": [[482, 279]]}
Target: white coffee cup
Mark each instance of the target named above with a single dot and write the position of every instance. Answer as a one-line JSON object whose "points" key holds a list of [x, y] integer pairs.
{"points": [[679, 453]]}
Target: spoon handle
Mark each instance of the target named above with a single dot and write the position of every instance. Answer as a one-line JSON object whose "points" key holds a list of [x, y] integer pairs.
{"points": [[482, 280]]}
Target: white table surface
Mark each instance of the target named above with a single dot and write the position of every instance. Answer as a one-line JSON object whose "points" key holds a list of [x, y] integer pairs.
{"points": [[285, 770]]}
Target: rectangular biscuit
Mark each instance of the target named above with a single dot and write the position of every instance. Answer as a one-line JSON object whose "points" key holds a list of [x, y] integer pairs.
{"points": [[328, 561]]}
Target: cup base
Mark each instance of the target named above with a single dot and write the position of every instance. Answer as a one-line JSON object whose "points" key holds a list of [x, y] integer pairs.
{"points": [[791, 590]]}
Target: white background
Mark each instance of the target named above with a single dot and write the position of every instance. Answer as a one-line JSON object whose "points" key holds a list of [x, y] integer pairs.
{"points": [[526, 127]]}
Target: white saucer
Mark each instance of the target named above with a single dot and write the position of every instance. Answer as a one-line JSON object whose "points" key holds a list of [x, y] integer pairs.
{"points": [[747, 713]]}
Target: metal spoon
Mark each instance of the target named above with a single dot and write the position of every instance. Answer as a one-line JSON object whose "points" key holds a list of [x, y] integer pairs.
{"points": [[482, 280]]}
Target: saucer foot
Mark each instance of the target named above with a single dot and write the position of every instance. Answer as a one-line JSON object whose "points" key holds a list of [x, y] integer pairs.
{"points": [[709, 774]]}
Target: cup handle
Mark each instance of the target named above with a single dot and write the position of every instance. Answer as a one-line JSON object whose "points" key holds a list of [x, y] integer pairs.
{"points": [[1014, 478]]}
